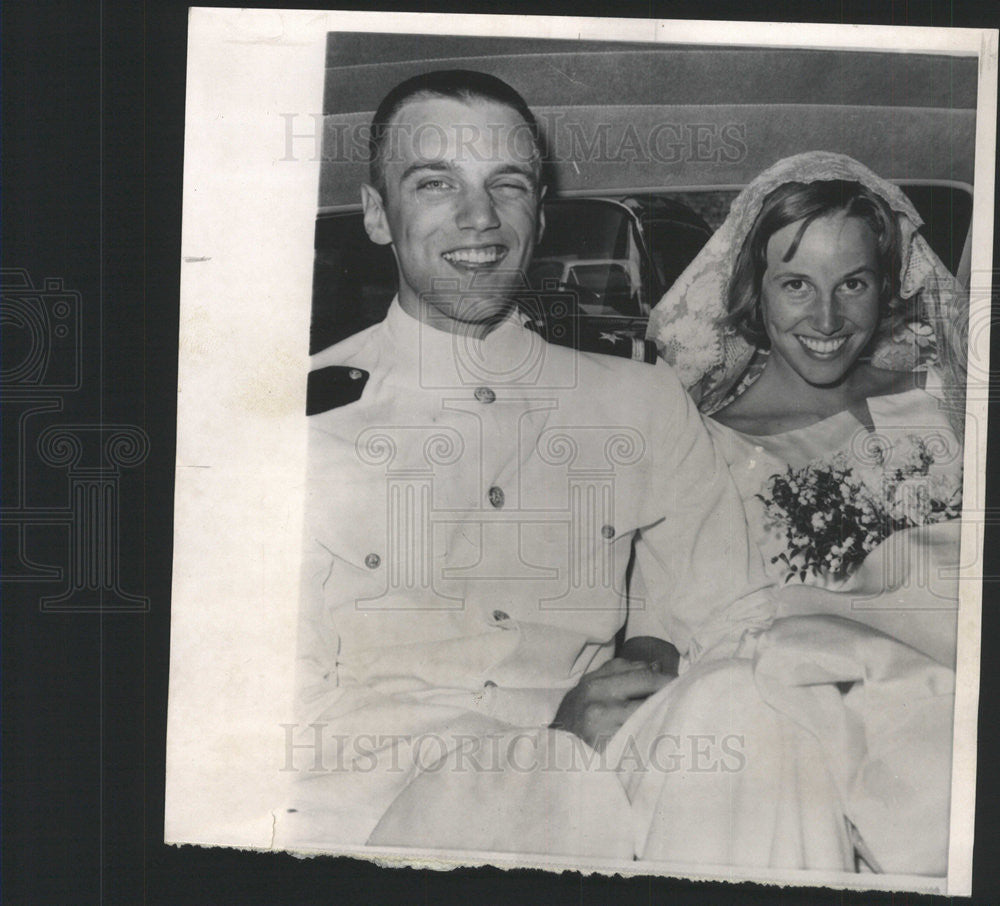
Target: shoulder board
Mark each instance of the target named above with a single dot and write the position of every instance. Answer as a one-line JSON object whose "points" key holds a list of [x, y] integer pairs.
{"points": [[333, 387], [608, 342], [587, 338]]}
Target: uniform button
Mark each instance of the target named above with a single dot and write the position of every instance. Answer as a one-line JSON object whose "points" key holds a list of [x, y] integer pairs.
{"points": [[489, 684], [485, 395], [608, 531], [500, 616], [355, 375], [372, 561], [496, 497]]}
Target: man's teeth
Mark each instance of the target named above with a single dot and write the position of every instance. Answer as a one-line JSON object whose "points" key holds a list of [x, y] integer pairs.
{"points": [[823, 346], [474, 256]]}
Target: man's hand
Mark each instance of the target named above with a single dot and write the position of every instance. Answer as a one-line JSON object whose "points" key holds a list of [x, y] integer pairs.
{"points": [[603, 700], [658, 653]]}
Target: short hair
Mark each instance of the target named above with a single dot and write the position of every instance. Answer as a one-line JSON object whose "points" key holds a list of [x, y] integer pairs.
{"points": [[806, 202], [461, 84]]}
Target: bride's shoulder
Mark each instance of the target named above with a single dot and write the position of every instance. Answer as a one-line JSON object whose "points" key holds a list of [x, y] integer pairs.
{"points": [[751, 413], [733, 417]]}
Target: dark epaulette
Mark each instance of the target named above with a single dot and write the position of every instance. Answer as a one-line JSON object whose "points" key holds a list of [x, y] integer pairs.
{"points": [[635, 348], [589, 339], [333, 387]]}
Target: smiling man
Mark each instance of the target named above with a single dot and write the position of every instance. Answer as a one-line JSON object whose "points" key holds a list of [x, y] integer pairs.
{"points": [[474, 499], [461, 206]]}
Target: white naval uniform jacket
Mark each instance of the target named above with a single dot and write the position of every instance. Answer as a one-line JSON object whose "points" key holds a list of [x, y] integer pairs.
{"points": [[469, 524]]}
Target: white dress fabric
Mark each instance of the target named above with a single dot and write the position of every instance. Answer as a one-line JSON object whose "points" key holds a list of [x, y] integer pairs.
{"points": [[907, 586], [888, 630], [863, 664]]}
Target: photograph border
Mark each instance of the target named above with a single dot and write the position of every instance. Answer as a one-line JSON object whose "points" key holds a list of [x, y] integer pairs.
{"points": [[242, 388]]}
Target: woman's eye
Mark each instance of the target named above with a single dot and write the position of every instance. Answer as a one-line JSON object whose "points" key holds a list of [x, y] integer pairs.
{"points": [[855, 285], [794, 285]]}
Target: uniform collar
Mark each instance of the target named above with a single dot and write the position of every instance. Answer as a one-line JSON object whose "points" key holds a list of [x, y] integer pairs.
{"points": [[445, 360]]}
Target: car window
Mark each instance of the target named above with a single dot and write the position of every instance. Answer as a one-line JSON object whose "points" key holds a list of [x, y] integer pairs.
{"points": [[947, 214], [672, 246], [354, 279], [946, 211], [584, 228], [590, 246]]}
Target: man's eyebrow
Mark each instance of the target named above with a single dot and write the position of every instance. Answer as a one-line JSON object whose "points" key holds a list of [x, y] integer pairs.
{"points": [[443, 166], [435, 166]]}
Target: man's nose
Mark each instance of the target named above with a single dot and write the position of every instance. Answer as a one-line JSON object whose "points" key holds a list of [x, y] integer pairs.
{"points": [[826, 314], [477, 211]]}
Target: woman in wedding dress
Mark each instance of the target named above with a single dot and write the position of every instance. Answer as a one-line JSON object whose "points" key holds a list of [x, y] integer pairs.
{"points": [[824, 339]]}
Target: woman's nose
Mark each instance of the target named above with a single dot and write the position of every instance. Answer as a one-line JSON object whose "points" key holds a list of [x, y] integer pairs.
{"points": [[826, 315], [477, 211]]}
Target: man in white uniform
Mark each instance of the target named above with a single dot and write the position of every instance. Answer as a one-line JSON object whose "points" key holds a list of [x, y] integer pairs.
{"points": [[474, 498]]}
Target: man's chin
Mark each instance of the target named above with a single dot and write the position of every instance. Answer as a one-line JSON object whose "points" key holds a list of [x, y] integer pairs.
{"points": [[472, 309]]}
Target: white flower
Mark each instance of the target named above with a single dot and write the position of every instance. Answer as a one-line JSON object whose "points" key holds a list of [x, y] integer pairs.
{"points": [[873, 480], [911, 502], [839, 461], [915, 455], [945, 487], [819, 520]]}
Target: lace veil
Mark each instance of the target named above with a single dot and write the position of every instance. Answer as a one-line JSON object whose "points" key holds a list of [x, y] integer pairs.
{"points": [[928, 324]]}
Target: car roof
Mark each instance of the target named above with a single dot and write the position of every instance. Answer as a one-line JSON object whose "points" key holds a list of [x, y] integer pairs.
{"points": [[634, 118]]}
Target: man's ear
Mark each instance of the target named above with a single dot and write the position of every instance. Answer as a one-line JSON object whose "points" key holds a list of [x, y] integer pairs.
{"points": [[541, 215], [376, 222]]}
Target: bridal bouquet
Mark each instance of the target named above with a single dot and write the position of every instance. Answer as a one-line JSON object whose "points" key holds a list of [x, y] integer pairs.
{"points": [[832, 515]]}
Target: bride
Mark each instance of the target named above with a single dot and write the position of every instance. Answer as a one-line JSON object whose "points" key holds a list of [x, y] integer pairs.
{"points": [[823, 337]]}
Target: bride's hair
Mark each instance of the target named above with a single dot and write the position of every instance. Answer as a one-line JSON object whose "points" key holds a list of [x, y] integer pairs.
{"points": [[794, 202]]}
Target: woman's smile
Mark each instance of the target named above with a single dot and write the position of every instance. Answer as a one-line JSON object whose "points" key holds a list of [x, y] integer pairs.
{"points": [[824, 348]]}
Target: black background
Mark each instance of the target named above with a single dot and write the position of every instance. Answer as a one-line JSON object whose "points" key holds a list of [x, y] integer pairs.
{"points": [[93, 122]]}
